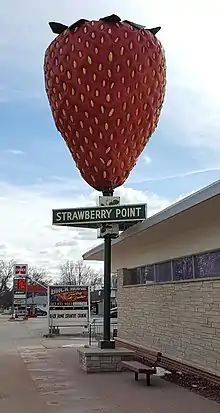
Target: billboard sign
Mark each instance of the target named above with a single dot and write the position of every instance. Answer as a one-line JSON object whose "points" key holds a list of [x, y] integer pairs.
{"points": [[68, 296], [68, 306], [20, 270]]}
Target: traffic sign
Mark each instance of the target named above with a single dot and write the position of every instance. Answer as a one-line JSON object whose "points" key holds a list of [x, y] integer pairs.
{"points": [[93, 217]]}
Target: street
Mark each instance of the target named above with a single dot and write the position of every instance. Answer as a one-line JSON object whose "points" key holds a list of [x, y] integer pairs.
{"points": [[42, 375]]}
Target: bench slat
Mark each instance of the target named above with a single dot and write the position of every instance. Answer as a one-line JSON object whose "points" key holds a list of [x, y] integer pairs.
{"points": [[137, 367]]}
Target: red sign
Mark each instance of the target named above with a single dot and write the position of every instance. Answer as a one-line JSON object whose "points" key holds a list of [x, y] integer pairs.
{"points": [[20, 270], [22, 284], [69, 295], [72, 297]]}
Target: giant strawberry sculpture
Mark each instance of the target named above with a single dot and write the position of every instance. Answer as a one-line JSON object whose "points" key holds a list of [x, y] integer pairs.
{"points": [[105, 81]]}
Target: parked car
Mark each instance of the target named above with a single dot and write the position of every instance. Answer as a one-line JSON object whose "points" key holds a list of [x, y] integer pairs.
{"points": [[40, 312], [114, 312]]}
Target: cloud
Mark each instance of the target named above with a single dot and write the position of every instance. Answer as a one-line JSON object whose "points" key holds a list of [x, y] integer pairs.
{"points": [[66, 243], [25, 219], [190, 118], [15, 151], [176, 176], [147, 159], [191, 106]]}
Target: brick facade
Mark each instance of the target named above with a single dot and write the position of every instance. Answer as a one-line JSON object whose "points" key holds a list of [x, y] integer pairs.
{"points": [[182, 319]]}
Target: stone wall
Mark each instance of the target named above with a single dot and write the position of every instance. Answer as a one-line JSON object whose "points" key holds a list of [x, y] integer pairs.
{"points": [[181, 319]]}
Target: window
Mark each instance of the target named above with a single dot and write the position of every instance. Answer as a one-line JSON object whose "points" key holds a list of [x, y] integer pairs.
{"points": [[207, 264], [183, 268], [147, 274], [163, 271], [132, 276]]}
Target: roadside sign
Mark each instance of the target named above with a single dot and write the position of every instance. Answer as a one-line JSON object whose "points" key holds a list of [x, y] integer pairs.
{"points": [[19, 301], [20, 270], [110, 229], [68, 306], [98, 215], [18, 296], [20, 284], [68, 296], [109, 201]]}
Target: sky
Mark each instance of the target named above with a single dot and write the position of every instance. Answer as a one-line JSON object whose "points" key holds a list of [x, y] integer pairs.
{"points": [[37, 172]]}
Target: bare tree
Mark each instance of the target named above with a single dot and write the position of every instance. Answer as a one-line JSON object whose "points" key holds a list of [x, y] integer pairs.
{"points": [[6, 299], [78, 273], [38, 275], [6, 274]]}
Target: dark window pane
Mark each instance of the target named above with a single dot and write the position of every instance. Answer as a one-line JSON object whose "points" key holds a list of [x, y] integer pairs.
{"points": [[183, 268], [163, 271], [147, 274], [207, 264], [132, 276]]}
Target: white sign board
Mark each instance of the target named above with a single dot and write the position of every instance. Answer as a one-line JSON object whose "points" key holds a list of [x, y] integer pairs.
{"points": [[19, 301], [18, 296], [108, 228], [68, 306], [20, 270]]}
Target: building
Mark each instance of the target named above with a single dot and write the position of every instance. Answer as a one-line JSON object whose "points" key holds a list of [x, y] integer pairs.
{"points": [[168, 270], [97, 300], [37, 296], [39, 300]]}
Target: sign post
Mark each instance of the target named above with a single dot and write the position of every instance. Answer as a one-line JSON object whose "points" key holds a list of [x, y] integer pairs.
{"points": [[109, 218], [108, 201], [20, 288], [68, 306]]}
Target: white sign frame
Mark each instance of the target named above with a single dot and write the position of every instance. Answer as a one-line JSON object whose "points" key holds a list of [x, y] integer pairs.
{"points": [[68, 316], [19, 274]]}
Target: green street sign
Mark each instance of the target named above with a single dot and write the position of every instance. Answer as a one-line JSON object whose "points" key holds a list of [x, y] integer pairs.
{"points": [[93, 217]]}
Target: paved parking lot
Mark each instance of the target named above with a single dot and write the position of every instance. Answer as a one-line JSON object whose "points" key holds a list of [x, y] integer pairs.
{"points": [[39, 374]]}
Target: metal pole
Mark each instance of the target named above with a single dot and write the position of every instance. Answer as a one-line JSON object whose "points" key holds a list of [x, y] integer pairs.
{"points": [[32, 302], [13, 299], [107, 342], [89, 305], [107, 288], [26, 291], [49, 319]]}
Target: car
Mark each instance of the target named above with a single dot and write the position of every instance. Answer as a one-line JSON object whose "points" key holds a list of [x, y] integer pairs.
{"points": [[114, 312], [40, 312]]}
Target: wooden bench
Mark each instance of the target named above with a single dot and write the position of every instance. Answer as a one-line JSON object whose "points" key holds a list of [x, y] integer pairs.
{"points": [[144, 365]]}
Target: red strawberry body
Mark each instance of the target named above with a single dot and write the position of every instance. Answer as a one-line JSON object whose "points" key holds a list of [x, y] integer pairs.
{"points": [[105, 82]]}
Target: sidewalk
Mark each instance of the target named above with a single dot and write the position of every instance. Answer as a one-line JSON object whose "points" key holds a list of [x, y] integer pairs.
{"points": [[63, 386], [40, 376]]}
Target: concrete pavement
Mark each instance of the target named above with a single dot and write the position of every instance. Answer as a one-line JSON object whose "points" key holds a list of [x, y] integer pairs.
{"points": [[39, 374]]}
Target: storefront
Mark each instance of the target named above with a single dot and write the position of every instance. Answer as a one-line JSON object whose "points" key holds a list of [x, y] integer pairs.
{"points": [[169, 280]]}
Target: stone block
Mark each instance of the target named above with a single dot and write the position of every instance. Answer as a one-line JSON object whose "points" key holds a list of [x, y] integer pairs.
{"points": [[93, 360]]}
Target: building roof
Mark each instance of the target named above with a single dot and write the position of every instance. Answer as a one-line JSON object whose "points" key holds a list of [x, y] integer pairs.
{"points": [[190, 201]]}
